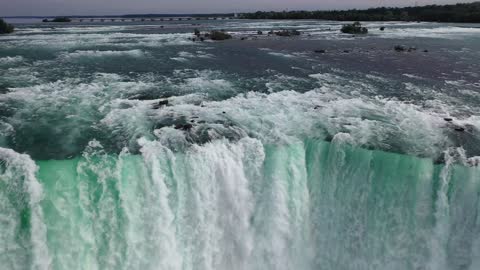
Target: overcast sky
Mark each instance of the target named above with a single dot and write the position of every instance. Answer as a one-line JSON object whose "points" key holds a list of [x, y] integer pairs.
{"points": [[118, 7]]}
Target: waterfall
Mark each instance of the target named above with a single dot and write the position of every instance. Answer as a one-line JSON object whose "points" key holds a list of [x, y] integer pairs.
{"points": [[307, 204]]}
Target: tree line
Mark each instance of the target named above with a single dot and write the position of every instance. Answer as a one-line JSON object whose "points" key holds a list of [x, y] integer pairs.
{"points": [[466, 13]]}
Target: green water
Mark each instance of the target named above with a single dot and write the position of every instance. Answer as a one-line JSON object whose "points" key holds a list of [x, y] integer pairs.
{"points": [[308, 205]]}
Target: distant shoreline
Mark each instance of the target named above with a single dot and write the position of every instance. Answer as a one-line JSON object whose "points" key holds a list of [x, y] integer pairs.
{"points": [[457, 13]]}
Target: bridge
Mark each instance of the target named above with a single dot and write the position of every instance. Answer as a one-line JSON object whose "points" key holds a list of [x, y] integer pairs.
{"points": [[146, 19]]}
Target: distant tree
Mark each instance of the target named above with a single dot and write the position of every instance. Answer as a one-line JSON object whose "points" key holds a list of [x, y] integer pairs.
{"points": [[61, 19], [434, 13], [6, 28]]}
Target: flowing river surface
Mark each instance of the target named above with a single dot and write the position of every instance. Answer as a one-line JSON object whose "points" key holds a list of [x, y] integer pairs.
{"points": [[127, 145]]}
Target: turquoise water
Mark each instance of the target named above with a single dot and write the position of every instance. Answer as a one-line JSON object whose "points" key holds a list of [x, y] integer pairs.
{"points": [[307, 205], [129, 146]]}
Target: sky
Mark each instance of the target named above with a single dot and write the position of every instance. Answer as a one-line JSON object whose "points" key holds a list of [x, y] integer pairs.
{"points": [[120, 7]]}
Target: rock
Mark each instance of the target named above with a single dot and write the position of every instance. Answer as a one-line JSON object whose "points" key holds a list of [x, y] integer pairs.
{"points": [[243, 38], [355, 28], [346, 51], [448, 119], [382, 28], [425, 50], [160, 104], [320, 51], [399, 48], [202, 39], [287, 33], [459, 129], [219, 35], [196, 32], [185, 127], [259, 32], [473, 162]]}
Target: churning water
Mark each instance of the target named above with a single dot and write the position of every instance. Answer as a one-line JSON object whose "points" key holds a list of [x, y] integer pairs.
{"points": [[130, 146]]}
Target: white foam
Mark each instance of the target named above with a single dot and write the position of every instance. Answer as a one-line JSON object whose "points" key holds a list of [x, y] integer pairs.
{"points": [[20, 175], [101, 54], [11, 60], [286, 55]]}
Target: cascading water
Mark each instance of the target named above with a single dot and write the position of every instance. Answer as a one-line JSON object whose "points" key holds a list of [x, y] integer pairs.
{"points": [[245, 205], [23, 232]]}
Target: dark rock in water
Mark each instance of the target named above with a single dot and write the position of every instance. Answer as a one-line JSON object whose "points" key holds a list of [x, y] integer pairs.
{"points": [[382, 28], [160, 104], [271, 32], [196, 32], [459, 129], [287, 33], [346, 51], [202, 39], [320, 51], [355, 28], [473, 162], [223, 112], [219, 35], [259, 32], [448, 119], [425, 50], [185, 127], [411, 49], [3, 90], [400, 48], [192, 121], [243, 38]]}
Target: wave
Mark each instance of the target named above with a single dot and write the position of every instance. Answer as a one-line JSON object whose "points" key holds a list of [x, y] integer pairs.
{"points": [[8, 60], [101, 54]]}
